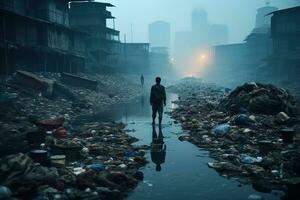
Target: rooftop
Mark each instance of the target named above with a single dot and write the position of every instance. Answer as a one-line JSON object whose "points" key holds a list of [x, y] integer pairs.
{"points": [[93, 2], [293, 9]]}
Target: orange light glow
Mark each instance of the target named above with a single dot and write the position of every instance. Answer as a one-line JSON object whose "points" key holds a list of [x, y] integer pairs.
{"points": [[196, 64]]}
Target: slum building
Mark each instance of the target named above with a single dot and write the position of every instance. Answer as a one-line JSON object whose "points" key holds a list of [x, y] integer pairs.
{"points": [[160, 61], [103, 43], [250, 56], [285, 33], [35, 35], [135, 58]]}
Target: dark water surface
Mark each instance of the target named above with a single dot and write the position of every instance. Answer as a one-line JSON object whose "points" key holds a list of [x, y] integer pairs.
{"points": [[184, 174]]}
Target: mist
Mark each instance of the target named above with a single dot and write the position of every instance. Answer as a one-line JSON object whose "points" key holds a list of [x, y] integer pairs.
{"points": [[150, 99]]}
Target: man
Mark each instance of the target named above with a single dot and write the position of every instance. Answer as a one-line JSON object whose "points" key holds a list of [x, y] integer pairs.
{"points": [[142, 80], [157, 100], [158, 148]]}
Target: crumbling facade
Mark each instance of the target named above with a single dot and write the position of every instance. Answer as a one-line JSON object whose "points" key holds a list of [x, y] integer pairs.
{"points": [[35, 36], [103, 43]]}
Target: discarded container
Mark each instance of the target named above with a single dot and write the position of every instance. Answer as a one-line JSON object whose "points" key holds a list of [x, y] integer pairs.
{"points": [[58, 161], [265, 147], [78, 170], [287, 135], [97, 167], [39, 156], [282, 117], [47, 124]]}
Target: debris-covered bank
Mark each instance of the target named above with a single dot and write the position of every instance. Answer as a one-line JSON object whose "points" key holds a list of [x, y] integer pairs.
{"points": [[252, 131], [45, 156]]}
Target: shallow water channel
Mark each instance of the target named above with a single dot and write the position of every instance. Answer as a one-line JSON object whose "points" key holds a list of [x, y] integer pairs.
{"points": [[184, 173]]}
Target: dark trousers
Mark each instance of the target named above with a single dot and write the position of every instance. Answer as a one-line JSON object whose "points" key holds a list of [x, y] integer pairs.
{"points": [[157, 108]]}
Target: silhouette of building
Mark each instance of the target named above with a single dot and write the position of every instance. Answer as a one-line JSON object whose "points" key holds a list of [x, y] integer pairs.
{"points": [[262, 17], [228, 67], [285, 31], [199, 21], [160, 34], [35, 36], [134, 58], [103, 43], [160, 61]]}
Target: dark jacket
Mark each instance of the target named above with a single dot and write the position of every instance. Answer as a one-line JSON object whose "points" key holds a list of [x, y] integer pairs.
{"points": [[158, 95]]}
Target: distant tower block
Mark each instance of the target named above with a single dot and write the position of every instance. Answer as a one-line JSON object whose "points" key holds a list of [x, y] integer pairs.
{"points": [[199, 21], [160, 34], [262, 19]]}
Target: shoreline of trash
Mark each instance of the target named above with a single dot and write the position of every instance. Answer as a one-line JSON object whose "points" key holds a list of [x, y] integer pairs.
{"points": [[252, 132], [44, 155]]}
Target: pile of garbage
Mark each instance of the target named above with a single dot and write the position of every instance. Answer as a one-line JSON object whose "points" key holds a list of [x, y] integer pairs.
{"points": [[48, 153], [259, 98], [93, 161], [46, 95], [252, 132]]}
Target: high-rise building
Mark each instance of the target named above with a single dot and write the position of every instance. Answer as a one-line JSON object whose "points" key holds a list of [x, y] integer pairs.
{"points": [[199, 21], [160, 34]]}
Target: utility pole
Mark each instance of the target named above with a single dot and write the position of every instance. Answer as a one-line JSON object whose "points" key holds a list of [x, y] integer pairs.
{"points": [[125, 50], [5, 45], [131, 32]]}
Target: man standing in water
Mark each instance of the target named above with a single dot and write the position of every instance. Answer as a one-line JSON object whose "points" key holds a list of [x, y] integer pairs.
{"points": [[157, 100]]}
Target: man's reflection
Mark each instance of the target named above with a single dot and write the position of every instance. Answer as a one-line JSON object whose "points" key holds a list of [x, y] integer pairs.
{"points": [[158, 148]]}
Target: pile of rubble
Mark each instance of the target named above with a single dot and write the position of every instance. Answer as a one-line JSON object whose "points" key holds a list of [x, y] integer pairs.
{"points": [[45, 155], [48, 95], [259, 98], [96, 161], [252, 132]]}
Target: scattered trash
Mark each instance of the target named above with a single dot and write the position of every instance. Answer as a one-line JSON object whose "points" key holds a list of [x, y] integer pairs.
{"points": [[96, 167], [58, 161], [5, 192], [244, 120], [254, 128], [255, 197], [287, 135], [249, 159], [221, 129], [259, 98], [282, 117]]}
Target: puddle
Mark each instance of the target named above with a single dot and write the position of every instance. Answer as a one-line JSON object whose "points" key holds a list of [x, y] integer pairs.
{"points": [[184, 173]]}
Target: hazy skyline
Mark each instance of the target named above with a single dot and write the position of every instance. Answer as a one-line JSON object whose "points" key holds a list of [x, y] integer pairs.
{"points": [[238, 15]]}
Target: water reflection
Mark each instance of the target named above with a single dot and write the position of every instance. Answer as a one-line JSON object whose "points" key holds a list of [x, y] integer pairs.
{"points": [[158, 148]]}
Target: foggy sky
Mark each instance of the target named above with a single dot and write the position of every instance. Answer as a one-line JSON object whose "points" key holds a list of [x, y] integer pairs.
{"points": [[239, 15]]}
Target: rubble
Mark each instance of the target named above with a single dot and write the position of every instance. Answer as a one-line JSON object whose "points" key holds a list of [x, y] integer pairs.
{"points": [[102, 166], [251, 132], [18, 101], [259, 98], [46, 153]]}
